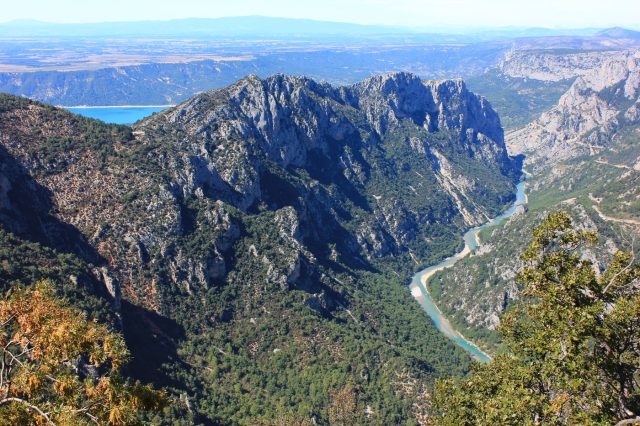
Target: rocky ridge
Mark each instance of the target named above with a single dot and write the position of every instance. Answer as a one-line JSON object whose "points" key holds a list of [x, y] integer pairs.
{"points": [[232, 148], [296, 123], [587, 115], [552, 65], [253, 218]]}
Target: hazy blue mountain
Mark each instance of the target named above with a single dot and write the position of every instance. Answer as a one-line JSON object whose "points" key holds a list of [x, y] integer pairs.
{"points": [[618, 32], [243, 26], [252, 26]]}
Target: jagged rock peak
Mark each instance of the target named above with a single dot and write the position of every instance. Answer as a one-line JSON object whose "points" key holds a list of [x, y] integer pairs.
{"points": [[386, 84], [401, 80], [384, 99], [277, 83], [434, 104], [411, 90]]}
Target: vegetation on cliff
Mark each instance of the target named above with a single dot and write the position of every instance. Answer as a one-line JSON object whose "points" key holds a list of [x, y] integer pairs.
{"points": [[572, 353], [253, 243]]}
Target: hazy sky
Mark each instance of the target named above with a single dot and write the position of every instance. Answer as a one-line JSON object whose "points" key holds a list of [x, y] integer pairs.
{"points": [[415, 13]]}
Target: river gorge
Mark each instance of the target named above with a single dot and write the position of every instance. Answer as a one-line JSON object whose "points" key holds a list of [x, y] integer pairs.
{"points": [[419, 282]]}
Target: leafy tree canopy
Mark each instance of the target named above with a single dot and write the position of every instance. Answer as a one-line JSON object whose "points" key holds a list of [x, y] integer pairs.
{"points": [[57, 367], [572, 351]]}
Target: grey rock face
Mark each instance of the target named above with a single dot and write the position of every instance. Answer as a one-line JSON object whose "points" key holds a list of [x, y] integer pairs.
{"points": [[434, 105], [553, 66], [270, 180], [229, 135], [112, 285], [587, 114]]}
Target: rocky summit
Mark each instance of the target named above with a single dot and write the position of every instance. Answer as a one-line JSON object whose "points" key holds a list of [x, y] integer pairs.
{"points": [[261, 234], [386, 158]]}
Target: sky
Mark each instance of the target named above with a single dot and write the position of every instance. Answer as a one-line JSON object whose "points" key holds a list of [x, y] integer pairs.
{"points": [[406, 13]]}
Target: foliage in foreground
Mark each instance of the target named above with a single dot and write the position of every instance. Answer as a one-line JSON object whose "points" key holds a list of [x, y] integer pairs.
{"points": [[572, 347], [57, 367]]}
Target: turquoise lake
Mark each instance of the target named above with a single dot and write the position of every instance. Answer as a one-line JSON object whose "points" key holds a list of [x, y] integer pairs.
{"points": [[118, 115], [471, 243]]}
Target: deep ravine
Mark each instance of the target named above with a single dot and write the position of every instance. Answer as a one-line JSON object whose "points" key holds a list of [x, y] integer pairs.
{"points": [[419, 287]]}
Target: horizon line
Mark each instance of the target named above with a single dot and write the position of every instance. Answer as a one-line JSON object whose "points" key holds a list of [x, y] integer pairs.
{"points": [[466, 28]]}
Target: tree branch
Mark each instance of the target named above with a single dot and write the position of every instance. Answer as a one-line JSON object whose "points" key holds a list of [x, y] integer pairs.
{"points": [[86, 412], [7, 321], [628, 421], [31, 406], [620, 272]]}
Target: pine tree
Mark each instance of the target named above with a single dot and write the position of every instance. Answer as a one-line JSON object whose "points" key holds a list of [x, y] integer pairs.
{"points": [[572, 346], [57, 367]]}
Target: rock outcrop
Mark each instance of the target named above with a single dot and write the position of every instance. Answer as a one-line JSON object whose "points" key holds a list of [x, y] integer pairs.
{"points": [[552, 65], [597, 104], [252, 231]]}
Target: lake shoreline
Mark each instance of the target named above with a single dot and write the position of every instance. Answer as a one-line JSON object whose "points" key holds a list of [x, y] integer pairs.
{"points": [[114, 106], [123, 115]]}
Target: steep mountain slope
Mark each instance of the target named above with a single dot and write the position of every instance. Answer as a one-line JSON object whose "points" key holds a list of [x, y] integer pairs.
{"points": [[600, 192], [583, 155], [526, 83], [260, 235], [587, 116]]}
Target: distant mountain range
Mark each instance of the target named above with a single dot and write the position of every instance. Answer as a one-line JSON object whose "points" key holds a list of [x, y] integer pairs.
{"points": [[244, 26], [261, 26], [618, 32]]}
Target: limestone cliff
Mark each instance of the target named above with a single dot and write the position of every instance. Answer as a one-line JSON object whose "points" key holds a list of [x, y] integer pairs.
{"points": [[257, 228], [597, 104]]}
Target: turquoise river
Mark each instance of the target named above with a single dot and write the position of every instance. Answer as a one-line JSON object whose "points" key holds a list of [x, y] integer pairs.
{"points": [[419, 286]]}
